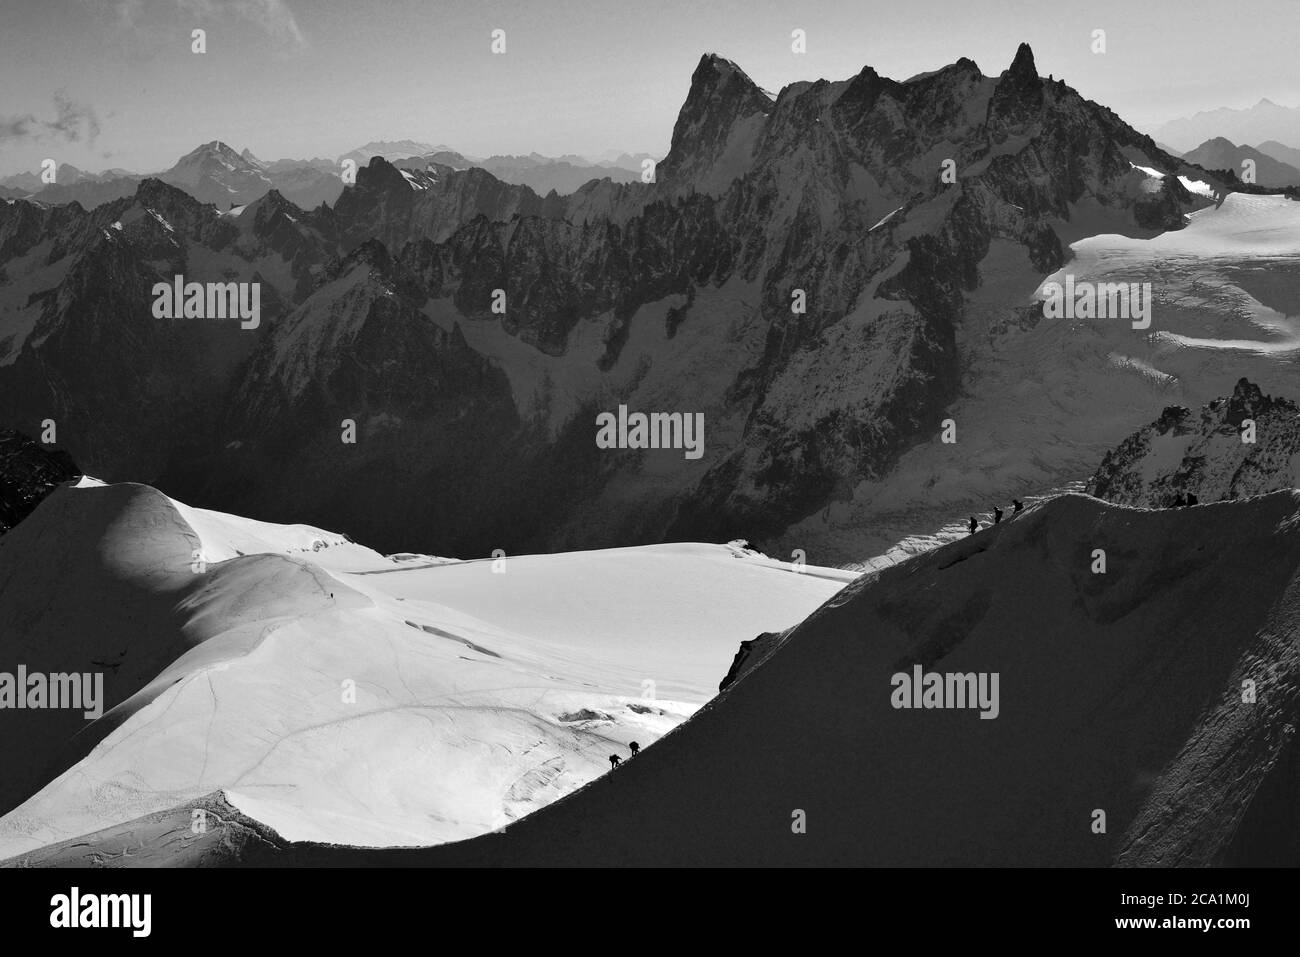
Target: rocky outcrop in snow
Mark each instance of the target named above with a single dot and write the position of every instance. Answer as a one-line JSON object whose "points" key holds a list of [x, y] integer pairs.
{"points": [[1205, 453], [749, 655], [28, 472]]}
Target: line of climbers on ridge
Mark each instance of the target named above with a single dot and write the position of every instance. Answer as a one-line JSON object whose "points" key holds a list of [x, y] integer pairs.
{"points": [[1017, 506], [615, 760], [1184, 500]]}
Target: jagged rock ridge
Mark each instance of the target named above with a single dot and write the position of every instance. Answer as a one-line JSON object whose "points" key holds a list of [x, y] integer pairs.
{"points": [[672, 295], [1204, 453]]}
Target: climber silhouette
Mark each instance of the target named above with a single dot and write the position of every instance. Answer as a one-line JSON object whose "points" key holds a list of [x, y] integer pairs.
{"points": [[614, 759], [1019, 505], [997, 514], [973, 525], [634, 748]]}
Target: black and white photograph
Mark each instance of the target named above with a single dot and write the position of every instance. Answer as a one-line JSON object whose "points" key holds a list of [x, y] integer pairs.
{"points": [[619, 435]]}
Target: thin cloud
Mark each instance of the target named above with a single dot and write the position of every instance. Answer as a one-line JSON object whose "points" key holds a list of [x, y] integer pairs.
{"points": [[73, 122], [272, 17], [126, 13], [275, 17]]}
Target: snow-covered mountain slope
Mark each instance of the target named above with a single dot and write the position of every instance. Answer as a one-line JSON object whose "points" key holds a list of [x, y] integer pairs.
{"points": [[1116, 691], [1145, 717], [825, 275], [338, 695], [1045, 399], [676, 295], [215, 173], [957, 528], [1245, 444], [1121, 695]]}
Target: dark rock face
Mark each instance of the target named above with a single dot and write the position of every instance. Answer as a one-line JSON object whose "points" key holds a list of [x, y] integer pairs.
{"points": [[29, 471], [397, 206], [1018, 99], [1205, 454], [1164, 210], [830, 192], [127, 389], [720, 98], [749, 655]]}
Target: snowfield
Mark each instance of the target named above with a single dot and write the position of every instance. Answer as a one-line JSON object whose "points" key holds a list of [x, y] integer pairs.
{"points": [[1122, 693], [337, 695]]}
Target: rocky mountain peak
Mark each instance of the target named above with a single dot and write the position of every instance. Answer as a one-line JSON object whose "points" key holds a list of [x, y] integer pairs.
{"points": [[273, 211], [1023, 70], [213, 150], [178, 206], [372, 253], [721, 97], [273, 199], [154, 191], [720, 84], [381, 175], [1247, 402], [1204, 454], [807, 192], [1018, 100]]}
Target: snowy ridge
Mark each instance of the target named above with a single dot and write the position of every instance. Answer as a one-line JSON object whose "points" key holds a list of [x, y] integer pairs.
{"points": [[341, 696], [1122, 692]]}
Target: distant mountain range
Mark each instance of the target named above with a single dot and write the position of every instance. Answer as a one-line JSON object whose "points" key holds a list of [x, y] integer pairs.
{"points": [[216, 173], [1280, 152], [211, 173], [1222, 154], [674, 295], [1264, 121], [405, 150], [541, 174]]}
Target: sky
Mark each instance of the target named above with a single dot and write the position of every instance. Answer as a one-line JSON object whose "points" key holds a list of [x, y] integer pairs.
{"points": [[114, 83]]}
